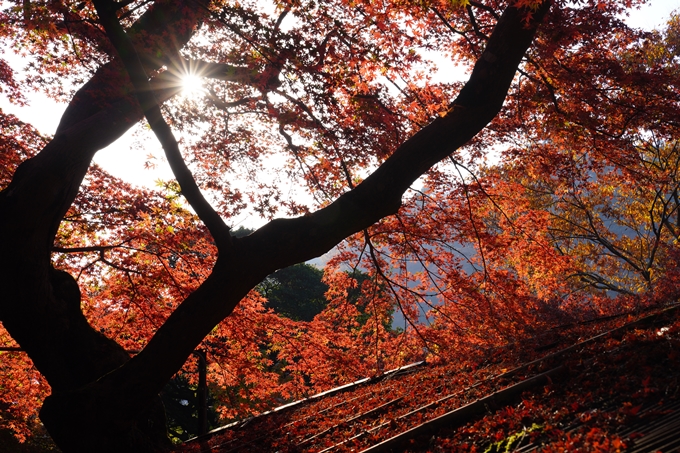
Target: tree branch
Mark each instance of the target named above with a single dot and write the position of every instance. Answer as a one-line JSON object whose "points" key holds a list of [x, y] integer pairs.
{"points": [[151, 107]]}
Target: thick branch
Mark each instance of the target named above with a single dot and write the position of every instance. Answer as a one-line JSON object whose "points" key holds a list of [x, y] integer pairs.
{"points": [[152, 111], [295, 240]]}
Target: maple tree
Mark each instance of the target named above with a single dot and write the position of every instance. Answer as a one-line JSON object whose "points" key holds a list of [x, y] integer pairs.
{"points": [[339, 94]]}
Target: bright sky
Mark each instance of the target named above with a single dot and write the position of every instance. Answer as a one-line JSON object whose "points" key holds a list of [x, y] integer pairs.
{"points": [[654, 14], [125, 161]]}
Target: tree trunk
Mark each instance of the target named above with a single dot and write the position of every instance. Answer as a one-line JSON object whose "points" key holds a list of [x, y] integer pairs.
{"points": [[104, 401]]}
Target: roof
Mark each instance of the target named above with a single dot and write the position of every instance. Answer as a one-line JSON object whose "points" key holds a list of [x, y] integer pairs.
{"points": [[608, 385]]}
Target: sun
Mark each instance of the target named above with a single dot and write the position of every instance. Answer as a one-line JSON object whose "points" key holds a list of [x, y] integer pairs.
{"points": [[192, 85]]}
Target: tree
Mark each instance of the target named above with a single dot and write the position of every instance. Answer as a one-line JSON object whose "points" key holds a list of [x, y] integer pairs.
{"points": [[295, 291], [160, 281]]}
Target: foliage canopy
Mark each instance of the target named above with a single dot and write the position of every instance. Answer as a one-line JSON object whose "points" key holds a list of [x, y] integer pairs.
{"points": [[329, 121]]}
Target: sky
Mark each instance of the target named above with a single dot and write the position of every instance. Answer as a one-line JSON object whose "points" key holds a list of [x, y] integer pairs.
{"points": [[126, 161]]}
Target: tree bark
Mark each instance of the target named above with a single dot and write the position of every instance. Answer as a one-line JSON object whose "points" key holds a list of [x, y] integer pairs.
{"points": [[41, 306], [103, 400]]}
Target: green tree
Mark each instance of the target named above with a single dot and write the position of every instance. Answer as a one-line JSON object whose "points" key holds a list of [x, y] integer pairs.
{"points": [[296, 292]]}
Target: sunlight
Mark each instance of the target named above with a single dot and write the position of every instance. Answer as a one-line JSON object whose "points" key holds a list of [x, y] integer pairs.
{"points": [[192, 85]]}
